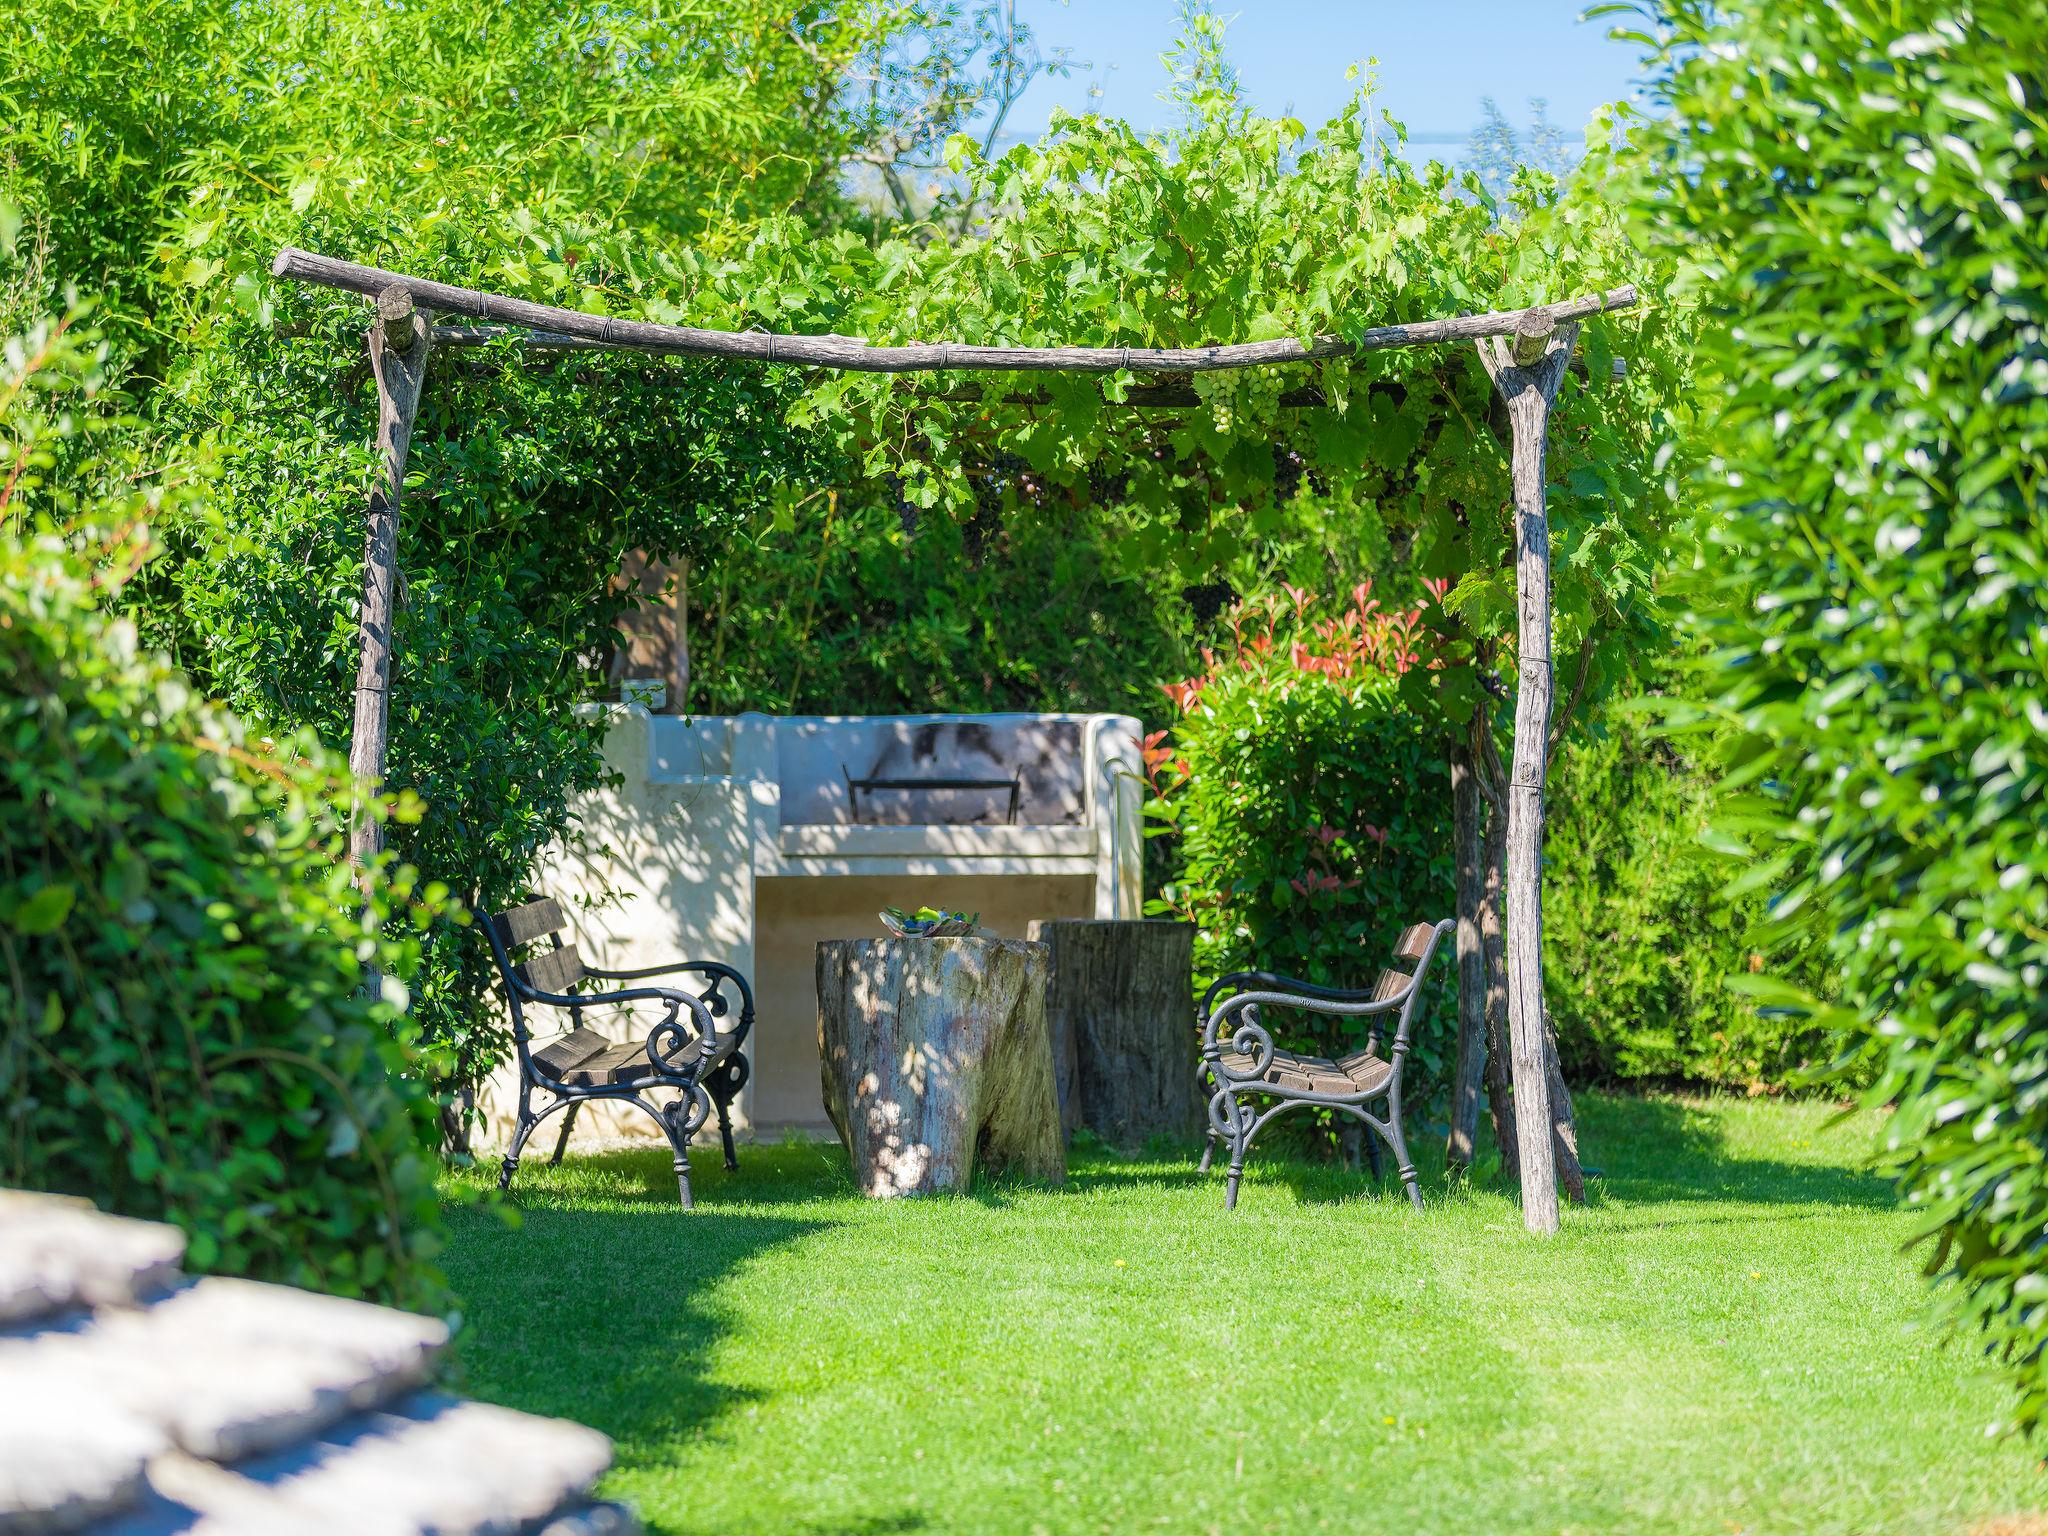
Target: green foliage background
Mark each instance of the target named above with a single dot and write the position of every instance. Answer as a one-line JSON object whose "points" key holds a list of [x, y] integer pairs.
{"points": [[1864, 191], [938, 543], [525, 487], [845, 601], [1641, 944], [573, 154]]}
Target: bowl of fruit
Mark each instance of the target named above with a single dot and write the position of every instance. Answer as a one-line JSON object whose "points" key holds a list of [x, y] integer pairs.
{"points": [[930, 923]]}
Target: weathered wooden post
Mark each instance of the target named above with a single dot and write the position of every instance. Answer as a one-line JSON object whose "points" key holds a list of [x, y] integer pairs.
{"points": [[1118, 1000], [399, 342], [1527, 370]]}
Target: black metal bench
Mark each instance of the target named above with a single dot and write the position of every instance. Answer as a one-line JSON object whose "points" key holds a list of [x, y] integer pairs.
{"points": [[688, 1050], [1240, 1060]]}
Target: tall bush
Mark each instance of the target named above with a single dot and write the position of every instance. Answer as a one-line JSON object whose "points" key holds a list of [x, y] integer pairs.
{"points": [[182, 1034], [1308, 804], [1864, 190]]}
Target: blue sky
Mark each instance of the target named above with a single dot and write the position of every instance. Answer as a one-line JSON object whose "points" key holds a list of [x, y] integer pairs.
{"points": [[1437, 59]]}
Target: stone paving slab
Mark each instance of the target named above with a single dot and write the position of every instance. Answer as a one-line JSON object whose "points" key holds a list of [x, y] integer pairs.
{"points": [[232, 1368], [431, 1464], [56, 1254], [136, 1403], [67, 1458]]}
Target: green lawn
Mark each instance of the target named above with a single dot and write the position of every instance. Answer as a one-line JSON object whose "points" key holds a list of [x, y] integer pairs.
{"points": [[1728, 1340]]}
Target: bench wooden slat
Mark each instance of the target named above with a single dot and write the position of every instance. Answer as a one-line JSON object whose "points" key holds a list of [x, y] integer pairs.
{"points": [[571, 1050], [522, 925], [625, 1062], [1414, 941], [553, 970], [1390, 983]]}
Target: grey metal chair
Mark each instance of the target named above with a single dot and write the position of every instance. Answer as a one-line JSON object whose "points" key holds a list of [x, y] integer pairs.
{"points": [[687, 1050], [1240, 1062]]}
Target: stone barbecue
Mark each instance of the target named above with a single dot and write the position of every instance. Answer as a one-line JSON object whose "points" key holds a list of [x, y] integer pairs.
{"points": [[749, 838]]}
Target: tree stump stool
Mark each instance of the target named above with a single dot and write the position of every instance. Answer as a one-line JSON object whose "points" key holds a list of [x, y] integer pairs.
{"points": [[933, 1053], [1120, 1003]]}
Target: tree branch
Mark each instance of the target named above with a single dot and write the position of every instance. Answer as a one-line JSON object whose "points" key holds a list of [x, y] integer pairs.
{"points": [[1561, 722]]}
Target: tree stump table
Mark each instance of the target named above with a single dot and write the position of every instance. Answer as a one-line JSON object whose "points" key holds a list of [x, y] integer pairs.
{"points": [[933, 1053], [1120, 1005]]}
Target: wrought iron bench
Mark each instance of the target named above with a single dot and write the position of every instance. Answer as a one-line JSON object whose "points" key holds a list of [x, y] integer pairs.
{"points": [[1240, 1060], [687, 1050]]}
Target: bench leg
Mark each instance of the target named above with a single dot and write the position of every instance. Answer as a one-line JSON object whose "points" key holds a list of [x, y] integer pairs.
{"points": [[1219, 1103], [527, 1121], [1402, 1165], [562, 1140], [1229, 1123], [675, 1123], [724, 1102]]}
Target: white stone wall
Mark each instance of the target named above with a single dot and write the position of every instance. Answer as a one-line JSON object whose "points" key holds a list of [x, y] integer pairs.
{"points": [[696, 853]]}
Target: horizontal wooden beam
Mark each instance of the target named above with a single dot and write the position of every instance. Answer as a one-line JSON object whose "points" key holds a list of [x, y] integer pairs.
{"points": [[1168, 394], [854, 355]]}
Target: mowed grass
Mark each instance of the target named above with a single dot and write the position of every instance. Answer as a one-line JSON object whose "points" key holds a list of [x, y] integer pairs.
{"points": [[1729, 1339]]}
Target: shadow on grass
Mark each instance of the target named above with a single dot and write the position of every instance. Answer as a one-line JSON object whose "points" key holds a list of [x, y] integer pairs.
{"points": [[596, 1305], [1647, 1150], [865, 1525], [1669, 1151]]}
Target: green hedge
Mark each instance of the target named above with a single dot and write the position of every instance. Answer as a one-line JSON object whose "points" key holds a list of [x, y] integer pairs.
{"points": [[1864, 190], [1639, 944], [181, 1031]]}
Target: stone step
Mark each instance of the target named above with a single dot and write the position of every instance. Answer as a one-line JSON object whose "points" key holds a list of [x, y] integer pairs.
{"points": [[431, 1465], [56, 1254], [234, 1368], [137, 1402], [67, 1458]]}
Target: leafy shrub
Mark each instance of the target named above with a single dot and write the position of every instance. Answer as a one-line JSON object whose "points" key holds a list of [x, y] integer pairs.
{"points": [[1310, 806], [1638, 942], [181, 949], [1865, 189]]}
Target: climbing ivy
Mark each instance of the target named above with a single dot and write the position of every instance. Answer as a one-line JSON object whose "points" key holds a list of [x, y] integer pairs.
{"points": [[1235, 226], [526, 485]]}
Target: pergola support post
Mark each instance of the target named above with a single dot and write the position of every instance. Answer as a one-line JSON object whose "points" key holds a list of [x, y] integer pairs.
{"points": [[399, 342], [1527, 370]]}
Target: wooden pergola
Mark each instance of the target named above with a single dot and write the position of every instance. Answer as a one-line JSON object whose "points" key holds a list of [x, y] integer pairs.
{"points": [[1525, 352]]}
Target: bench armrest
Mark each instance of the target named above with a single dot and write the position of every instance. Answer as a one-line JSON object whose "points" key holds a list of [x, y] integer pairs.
{"points": [[712, 996], [1251, 1037], [1275, 981]]}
